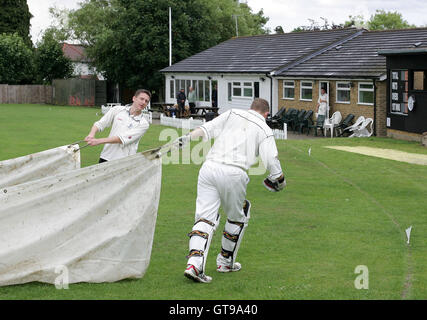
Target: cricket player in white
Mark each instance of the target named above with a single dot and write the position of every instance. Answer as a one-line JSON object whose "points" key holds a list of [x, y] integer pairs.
{"points": [[127, 127], [240, 137]]}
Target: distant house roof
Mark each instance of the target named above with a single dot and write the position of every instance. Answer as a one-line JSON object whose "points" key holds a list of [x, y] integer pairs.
{"points": [[331, 53], [75, 52], [259, 54], [360, 56]]}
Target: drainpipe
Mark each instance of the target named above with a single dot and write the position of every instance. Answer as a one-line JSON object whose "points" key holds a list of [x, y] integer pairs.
{"points": [[375, 107], [269, 75]]}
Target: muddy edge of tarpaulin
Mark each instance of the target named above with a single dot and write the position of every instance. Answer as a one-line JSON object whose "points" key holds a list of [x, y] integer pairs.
{"points": [[97, 223], [39, 165]]}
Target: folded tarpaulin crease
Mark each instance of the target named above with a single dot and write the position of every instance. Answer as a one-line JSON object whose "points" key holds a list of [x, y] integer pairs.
{"points": [[39, 165], [98, 222]]}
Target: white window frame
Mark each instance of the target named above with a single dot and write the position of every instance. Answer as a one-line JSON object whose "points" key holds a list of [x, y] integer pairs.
{"points": [[195, 84], [172, 93], [242, 89], [305, 87], [365, 90], [343, 89], [288, 87]]}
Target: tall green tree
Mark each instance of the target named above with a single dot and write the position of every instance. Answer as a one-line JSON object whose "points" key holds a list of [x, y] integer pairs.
{"points": [[50, 62], [383, 20], [16, 60], [15, 18], [129, 39]]}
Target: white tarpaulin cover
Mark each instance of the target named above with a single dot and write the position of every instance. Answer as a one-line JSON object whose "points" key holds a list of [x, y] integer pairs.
{"points": [[98, 222], [39, 165]]}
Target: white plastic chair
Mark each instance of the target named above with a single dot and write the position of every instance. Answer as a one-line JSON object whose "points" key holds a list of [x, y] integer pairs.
{"points": [[356, 125], [331, 123], [362, 130]]}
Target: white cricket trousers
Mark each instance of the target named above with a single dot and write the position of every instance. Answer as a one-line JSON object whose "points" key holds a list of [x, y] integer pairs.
{"points": [[218, 185]]}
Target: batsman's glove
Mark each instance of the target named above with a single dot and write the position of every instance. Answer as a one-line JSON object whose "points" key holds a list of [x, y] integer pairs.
{"points": [[182, 141], [275, 185]]}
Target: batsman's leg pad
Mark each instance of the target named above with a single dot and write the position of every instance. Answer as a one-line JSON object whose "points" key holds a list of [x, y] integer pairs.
{"points": [[232, 237], [200, 240]]}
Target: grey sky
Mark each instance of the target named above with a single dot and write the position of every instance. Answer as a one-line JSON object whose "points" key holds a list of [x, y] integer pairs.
{"points": [[287, 13]]}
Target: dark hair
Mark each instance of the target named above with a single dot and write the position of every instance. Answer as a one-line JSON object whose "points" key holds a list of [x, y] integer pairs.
{"points": [[139, 91], [260, 105]]}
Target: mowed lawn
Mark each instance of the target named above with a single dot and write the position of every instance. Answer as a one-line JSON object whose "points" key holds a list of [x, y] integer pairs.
{"points": [[340, 210]]}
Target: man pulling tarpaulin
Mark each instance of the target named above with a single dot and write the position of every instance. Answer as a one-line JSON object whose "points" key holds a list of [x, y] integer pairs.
{"points": [[97, 222], [39, 165]]}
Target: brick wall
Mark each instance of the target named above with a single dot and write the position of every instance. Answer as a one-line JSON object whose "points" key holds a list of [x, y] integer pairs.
{"points": [[345, 108]]}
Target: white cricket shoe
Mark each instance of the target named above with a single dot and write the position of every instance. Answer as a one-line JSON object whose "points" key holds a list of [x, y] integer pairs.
{"points": [[192, 273], [224, 268]]}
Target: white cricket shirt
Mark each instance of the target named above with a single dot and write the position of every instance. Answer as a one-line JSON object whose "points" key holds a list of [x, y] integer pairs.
{"points": [[240, 137], [128, 128]]}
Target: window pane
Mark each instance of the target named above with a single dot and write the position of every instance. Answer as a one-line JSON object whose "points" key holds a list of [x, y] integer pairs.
{"points": [[172, 89], [289, 84], [289, 93], [256, 87], [247, 84], [201, 89], [229, 91], [247, 92], [366, 97], [418, 80], [366, 86], [207, 91], [237, 92], [188, 85], [306, 84], [306, 94], [236, 84], [343, 85], [343, 96]]}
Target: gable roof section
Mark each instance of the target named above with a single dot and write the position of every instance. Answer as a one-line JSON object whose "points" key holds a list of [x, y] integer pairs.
{"points": [[260, 54], [76, 53], [359, 57]]}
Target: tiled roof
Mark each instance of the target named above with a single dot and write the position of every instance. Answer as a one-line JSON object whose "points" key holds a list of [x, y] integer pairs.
{"points": [[359, 56], [77, 53], [332, 53], [259, 54]]}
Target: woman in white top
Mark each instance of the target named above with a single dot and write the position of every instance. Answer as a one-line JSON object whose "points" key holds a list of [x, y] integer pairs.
{"points": [[322, 103]]}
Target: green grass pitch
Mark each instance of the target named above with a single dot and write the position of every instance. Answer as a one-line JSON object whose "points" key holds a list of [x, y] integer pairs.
{"points": [[340, 210]]}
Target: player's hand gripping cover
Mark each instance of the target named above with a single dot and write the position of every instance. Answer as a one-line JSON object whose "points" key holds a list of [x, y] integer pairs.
{"points": [[275, 185], [182, 141]]}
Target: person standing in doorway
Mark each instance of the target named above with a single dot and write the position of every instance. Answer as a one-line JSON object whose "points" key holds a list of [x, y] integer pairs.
{"points": [[322, 103]]}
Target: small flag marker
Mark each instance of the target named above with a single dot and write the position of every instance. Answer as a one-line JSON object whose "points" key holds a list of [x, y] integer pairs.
{"points": [[408, 233]]}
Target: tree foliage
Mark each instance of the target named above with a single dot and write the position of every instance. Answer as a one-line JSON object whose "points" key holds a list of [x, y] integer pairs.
{"points": [[50, 62], [16, 60], [15, 18], [383, 20], [129, 39]]}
